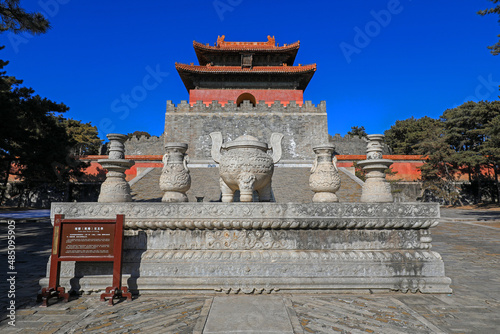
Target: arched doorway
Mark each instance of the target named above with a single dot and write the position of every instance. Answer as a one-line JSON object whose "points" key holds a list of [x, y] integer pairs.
{"points": [[246, 96]]}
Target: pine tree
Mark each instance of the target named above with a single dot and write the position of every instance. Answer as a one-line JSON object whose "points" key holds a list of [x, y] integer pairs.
{"points": [[405, 136], [357, 131], [495, 49], [34, 135], [16, 19], [85, 137]]}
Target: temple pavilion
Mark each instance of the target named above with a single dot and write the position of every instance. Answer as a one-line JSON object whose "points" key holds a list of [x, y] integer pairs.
{"points": [[238, 71], [243, 88]]}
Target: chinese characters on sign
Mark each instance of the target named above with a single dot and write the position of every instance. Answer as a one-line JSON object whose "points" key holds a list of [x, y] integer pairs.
{"points": [[87, 239]]}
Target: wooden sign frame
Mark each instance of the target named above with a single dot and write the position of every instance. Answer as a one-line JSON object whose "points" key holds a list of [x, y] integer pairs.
{"points": [[76, 235]]}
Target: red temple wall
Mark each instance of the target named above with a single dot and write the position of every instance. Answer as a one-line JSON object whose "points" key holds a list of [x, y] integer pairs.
{"points": [[405, 166], [224, 95]]}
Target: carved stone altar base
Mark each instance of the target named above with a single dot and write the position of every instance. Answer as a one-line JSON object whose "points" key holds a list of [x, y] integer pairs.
{"points": [[267, 247]]}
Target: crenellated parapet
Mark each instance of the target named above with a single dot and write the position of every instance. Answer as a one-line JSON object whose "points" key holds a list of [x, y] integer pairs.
{"points": [[192, 119], [247, 106], [352, 145], [143, 139], [303, 126], [144, 145]]}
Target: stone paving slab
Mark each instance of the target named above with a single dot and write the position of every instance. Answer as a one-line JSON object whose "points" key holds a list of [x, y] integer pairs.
{"points": [[470, 250], [351, 314], [249, 315], [177, 314]]}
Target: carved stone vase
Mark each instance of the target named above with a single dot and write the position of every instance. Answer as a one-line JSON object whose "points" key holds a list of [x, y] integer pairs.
{"points": [[324, 179], [376, 187], [115, 188], [175, 179], [244, 165]]}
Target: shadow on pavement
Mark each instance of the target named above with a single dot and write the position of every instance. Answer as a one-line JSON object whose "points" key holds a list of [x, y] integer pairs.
{"points": [[469, 214], [33, 242]]}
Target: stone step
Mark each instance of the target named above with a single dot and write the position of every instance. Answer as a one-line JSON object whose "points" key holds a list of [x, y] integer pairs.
{"points": [[290, 185]]}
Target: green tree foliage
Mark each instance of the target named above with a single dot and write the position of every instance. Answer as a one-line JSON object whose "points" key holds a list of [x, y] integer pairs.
{"points": [[33, 134], [465, 139], [491, 147], [84, 135], [17, 20], [438, 174], [467, 136], [359, 171], [359, 131], [465, 132], [495, 49], [138, 134], [405, 136]]}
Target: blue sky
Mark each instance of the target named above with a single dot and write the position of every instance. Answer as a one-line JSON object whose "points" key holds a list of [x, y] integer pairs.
{"points": [[377, 61]]}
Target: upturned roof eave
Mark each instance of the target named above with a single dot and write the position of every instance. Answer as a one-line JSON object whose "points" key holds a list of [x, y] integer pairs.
{"points": [[237, 69], [203, 51], [186, 74], [285, 48]]}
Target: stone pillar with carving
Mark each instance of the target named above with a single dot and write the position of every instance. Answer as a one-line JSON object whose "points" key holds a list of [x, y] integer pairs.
{"points": [[115, 188], [324, 179], [376, 187], [175, 179]]}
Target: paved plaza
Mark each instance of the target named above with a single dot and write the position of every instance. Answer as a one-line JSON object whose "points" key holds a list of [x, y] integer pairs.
{"points": [[468, 241]]}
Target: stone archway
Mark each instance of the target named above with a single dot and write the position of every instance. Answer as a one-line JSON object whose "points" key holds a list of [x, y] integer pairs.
{"points": [[246, 96]]}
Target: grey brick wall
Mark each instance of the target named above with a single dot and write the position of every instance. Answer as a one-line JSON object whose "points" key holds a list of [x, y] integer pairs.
{"points": [[145, 146], [303, 127], [352, 145]]}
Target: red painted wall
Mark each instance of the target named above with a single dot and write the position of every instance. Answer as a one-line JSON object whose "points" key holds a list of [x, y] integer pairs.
{"points": [[145, 161], [224, 95], [406, 166]]}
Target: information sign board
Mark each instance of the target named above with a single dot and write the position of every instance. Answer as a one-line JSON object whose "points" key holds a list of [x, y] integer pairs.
{"points": [[86, 240]]}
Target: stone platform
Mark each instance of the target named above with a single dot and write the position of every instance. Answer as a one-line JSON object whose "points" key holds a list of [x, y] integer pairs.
{"points": [[266, 248]]}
